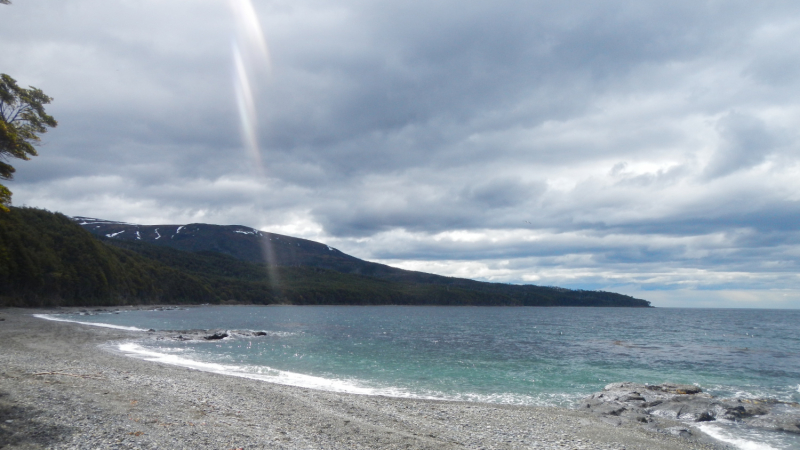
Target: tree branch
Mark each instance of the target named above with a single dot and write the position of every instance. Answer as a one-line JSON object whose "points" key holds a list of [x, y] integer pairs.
{"points": [[21, 110]]}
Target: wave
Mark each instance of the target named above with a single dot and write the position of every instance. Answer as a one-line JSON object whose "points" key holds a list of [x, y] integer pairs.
{"points": [[349, 386], [721, 434], [94, 324], [258, 373]]}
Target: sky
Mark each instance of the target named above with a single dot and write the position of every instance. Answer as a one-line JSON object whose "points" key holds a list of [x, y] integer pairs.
{"points": [[642, 147]]}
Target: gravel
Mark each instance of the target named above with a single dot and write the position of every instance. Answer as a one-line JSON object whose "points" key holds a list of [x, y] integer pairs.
{"points": [[61, 388]]}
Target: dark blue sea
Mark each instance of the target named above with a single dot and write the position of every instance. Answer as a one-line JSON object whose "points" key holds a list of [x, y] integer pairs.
{"points": [[526, 356]]}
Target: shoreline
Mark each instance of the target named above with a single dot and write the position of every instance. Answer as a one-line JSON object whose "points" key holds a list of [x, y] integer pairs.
{"points": [[59, 389]]}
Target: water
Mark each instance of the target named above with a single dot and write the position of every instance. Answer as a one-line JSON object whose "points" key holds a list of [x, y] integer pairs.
{"points": [[528, 356]]}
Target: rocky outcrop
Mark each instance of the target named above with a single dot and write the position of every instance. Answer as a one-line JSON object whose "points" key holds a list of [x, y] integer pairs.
{"points": [[632, 402], [216, 336], [204, 334]]}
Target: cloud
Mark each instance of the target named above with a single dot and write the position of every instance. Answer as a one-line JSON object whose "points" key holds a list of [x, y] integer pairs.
{"points": [[624, 145], [746, 142]]}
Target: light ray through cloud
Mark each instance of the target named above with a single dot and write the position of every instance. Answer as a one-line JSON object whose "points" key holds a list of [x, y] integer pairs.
{"points": [[250, 58], [249, 32], [247, 109]]}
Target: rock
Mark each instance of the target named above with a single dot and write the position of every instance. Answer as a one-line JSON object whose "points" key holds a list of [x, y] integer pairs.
{"points": [[260, 333], [789, 424], [680, 389], [632, 402], [737, 413], [680, 432], [705, 417], [688, 408], [216, 336], [633, 397]]}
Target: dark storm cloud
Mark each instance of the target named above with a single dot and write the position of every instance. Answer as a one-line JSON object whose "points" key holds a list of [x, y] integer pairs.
{"points": [[605, 144]]}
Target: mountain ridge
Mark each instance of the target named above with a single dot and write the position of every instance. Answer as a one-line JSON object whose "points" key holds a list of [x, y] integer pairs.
{"points": [[272, 249]]}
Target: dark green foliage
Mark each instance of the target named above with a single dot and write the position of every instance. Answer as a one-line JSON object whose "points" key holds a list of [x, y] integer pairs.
{"points": [[250, 282], [47, 259], [22, 120]]}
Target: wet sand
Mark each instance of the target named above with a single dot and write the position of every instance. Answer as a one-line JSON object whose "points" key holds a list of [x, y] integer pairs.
{"points": [[60, 387]]}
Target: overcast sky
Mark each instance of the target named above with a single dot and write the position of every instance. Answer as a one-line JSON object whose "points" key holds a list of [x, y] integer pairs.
{"points": [[649, 148]]}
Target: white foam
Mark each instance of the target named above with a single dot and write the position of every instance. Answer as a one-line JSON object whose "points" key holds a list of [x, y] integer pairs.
{"points": [[720, 434], [104, 325], [257, 373]]}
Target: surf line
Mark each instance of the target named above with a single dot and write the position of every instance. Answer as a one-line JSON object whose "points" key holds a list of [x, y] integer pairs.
{"points": [[98, 324]]}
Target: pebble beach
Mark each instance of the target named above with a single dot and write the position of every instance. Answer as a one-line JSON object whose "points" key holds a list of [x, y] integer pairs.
{"points": [[62, 386]]}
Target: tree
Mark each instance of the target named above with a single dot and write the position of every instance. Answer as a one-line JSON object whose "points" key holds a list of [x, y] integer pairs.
{"points": [[22, 120]]}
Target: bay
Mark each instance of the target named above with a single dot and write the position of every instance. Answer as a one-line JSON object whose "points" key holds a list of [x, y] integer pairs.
{"points": [[529, 356]]}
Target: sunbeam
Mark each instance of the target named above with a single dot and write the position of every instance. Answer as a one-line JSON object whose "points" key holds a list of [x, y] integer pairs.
{"points": [[250, 58], [247, 109]]}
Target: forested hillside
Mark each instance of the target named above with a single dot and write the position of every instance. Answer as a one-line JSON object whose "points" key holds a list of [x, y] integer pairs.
{"points": [[45, 259], [48, 259], [251, 245]]}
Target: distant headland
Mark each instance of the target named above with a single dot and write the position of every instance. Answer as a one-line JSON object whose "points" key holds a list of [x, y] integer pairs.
{"points": [[49, 259]]}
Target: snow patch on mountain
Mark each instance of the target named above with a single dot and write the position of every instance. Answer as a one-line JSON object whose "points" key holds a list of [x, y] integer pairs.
{"points": [[92, 221]]}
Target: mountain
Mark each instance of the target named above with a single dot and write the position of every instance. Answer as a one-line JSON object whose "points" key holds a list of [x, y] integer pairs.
{"points": [[248, 244], [46, 259], [253, 246], [240, 242]]}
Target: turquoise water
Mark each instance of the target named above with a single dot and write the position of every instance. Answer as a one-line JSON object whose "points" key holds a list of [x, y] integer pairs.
{"points": [[533, 356]]}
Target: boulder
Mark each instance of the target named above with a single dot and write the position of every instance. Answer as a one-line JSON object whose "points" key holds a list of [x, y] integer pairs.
{"points": [[634, 402]]}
